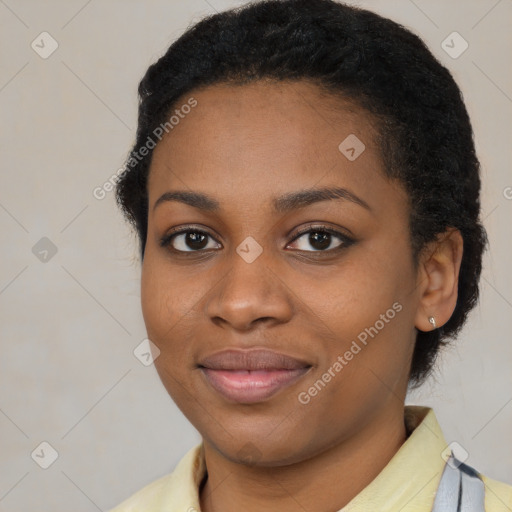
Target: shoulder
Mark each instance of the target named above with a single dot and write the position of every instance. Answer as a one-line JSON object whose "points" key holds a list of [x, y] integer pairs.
{"points": [[498, 495], [146, 498], [174, 491]]}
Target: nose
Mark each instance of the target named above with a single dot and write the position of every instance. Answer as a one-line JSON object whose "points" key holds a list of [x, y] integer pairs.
{"points": [[249, 294]]}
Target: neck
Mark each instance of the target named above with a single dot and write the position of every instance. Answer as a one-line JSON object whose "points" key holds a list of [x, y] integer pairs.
{"points": [[328, 481]]}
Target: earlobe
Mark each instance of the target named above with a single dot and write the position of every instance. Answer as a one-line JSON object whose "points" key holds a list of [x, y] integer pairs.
{"points": [[438, 279]]}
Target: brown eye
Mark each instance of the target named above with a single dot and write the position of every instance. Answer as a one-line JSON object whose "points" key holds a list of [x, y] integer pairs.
{"points": [[321, 239], [187, 240]]}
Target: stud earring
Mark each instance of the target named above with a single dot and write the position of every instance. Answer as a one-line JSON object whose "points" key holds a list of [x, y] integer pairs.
{"points": [[432, 320]]}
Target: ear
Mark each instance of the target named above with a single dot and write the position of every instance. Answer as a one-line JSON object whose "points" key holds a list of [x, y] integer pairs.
{"points": [[438, 279]]}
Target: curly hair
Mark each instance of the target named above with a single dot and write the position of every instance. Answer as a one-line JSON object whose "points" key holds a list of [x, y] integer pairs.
{"points": [[424, 131]]}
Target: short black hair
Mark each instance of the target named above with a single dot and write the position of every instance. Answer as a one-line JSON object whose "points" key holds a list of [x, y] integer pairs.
{"points": [[425, 134]]}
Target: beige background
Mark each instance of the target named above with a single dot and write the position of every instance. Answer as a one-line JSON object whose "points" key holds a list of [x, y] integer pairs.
{"points": [[69, 325]]}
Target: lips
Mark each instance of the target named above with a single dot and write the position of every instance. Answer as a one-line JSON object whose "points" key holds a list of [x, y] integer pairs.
{"points": [[251, 376], [256, 359]]}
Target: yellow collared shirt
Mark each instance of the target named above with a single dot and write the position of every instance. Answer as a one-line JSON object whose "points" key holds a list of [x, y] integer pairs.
{"points": [[408, 483]]}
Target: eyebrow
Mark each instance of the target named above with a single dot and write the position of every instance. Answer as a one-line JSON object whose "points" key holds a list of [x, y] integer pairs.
{"points": [[282, 204]]}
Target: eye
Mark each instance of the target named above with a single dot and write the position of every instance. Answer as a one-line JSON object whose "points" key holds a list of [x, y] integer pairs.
{"points": [[321, 238], [187, 240]]}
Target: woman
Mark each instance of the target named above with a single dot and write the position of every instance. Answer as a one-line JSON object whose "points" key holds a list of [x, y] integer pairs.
{"points": [[305, 189]]}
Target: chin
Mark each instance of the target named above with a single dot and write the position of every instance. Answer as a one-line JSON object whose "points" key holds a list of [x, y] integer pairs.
{"points": [[259, 452]]}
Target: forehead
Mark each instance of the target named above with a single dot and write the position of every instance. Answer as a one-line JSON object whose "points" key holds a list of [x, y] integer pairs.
{"points": [[264, 137], [264, 107]]}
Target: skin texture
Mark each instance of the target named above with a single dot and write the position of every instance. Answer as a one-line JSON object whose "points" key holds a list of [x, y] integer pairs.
{"points": [[244, 146]]}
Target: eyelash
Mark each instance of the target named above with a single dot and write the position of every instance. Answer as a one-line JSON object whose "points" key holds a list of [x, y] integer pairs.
{"points": [[346, 241]]}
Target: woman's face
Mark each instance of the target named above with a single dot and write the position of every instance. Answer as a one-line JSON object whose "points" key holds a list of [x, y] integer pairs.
{"points": [[263, 272]]}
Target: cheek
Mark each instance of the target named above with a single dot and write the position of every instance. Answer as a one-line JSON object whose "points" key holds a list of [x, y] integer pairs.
{"points": [[165, 317], [151, 298], [354, 294], [170, 297], [365, 309], [159, 299]]}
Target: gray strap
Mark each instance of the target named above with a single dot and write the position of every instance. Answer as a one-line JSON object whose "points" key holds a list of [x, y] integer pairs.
{"points": [[473, 490], [447, 496], [460, 489]]}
